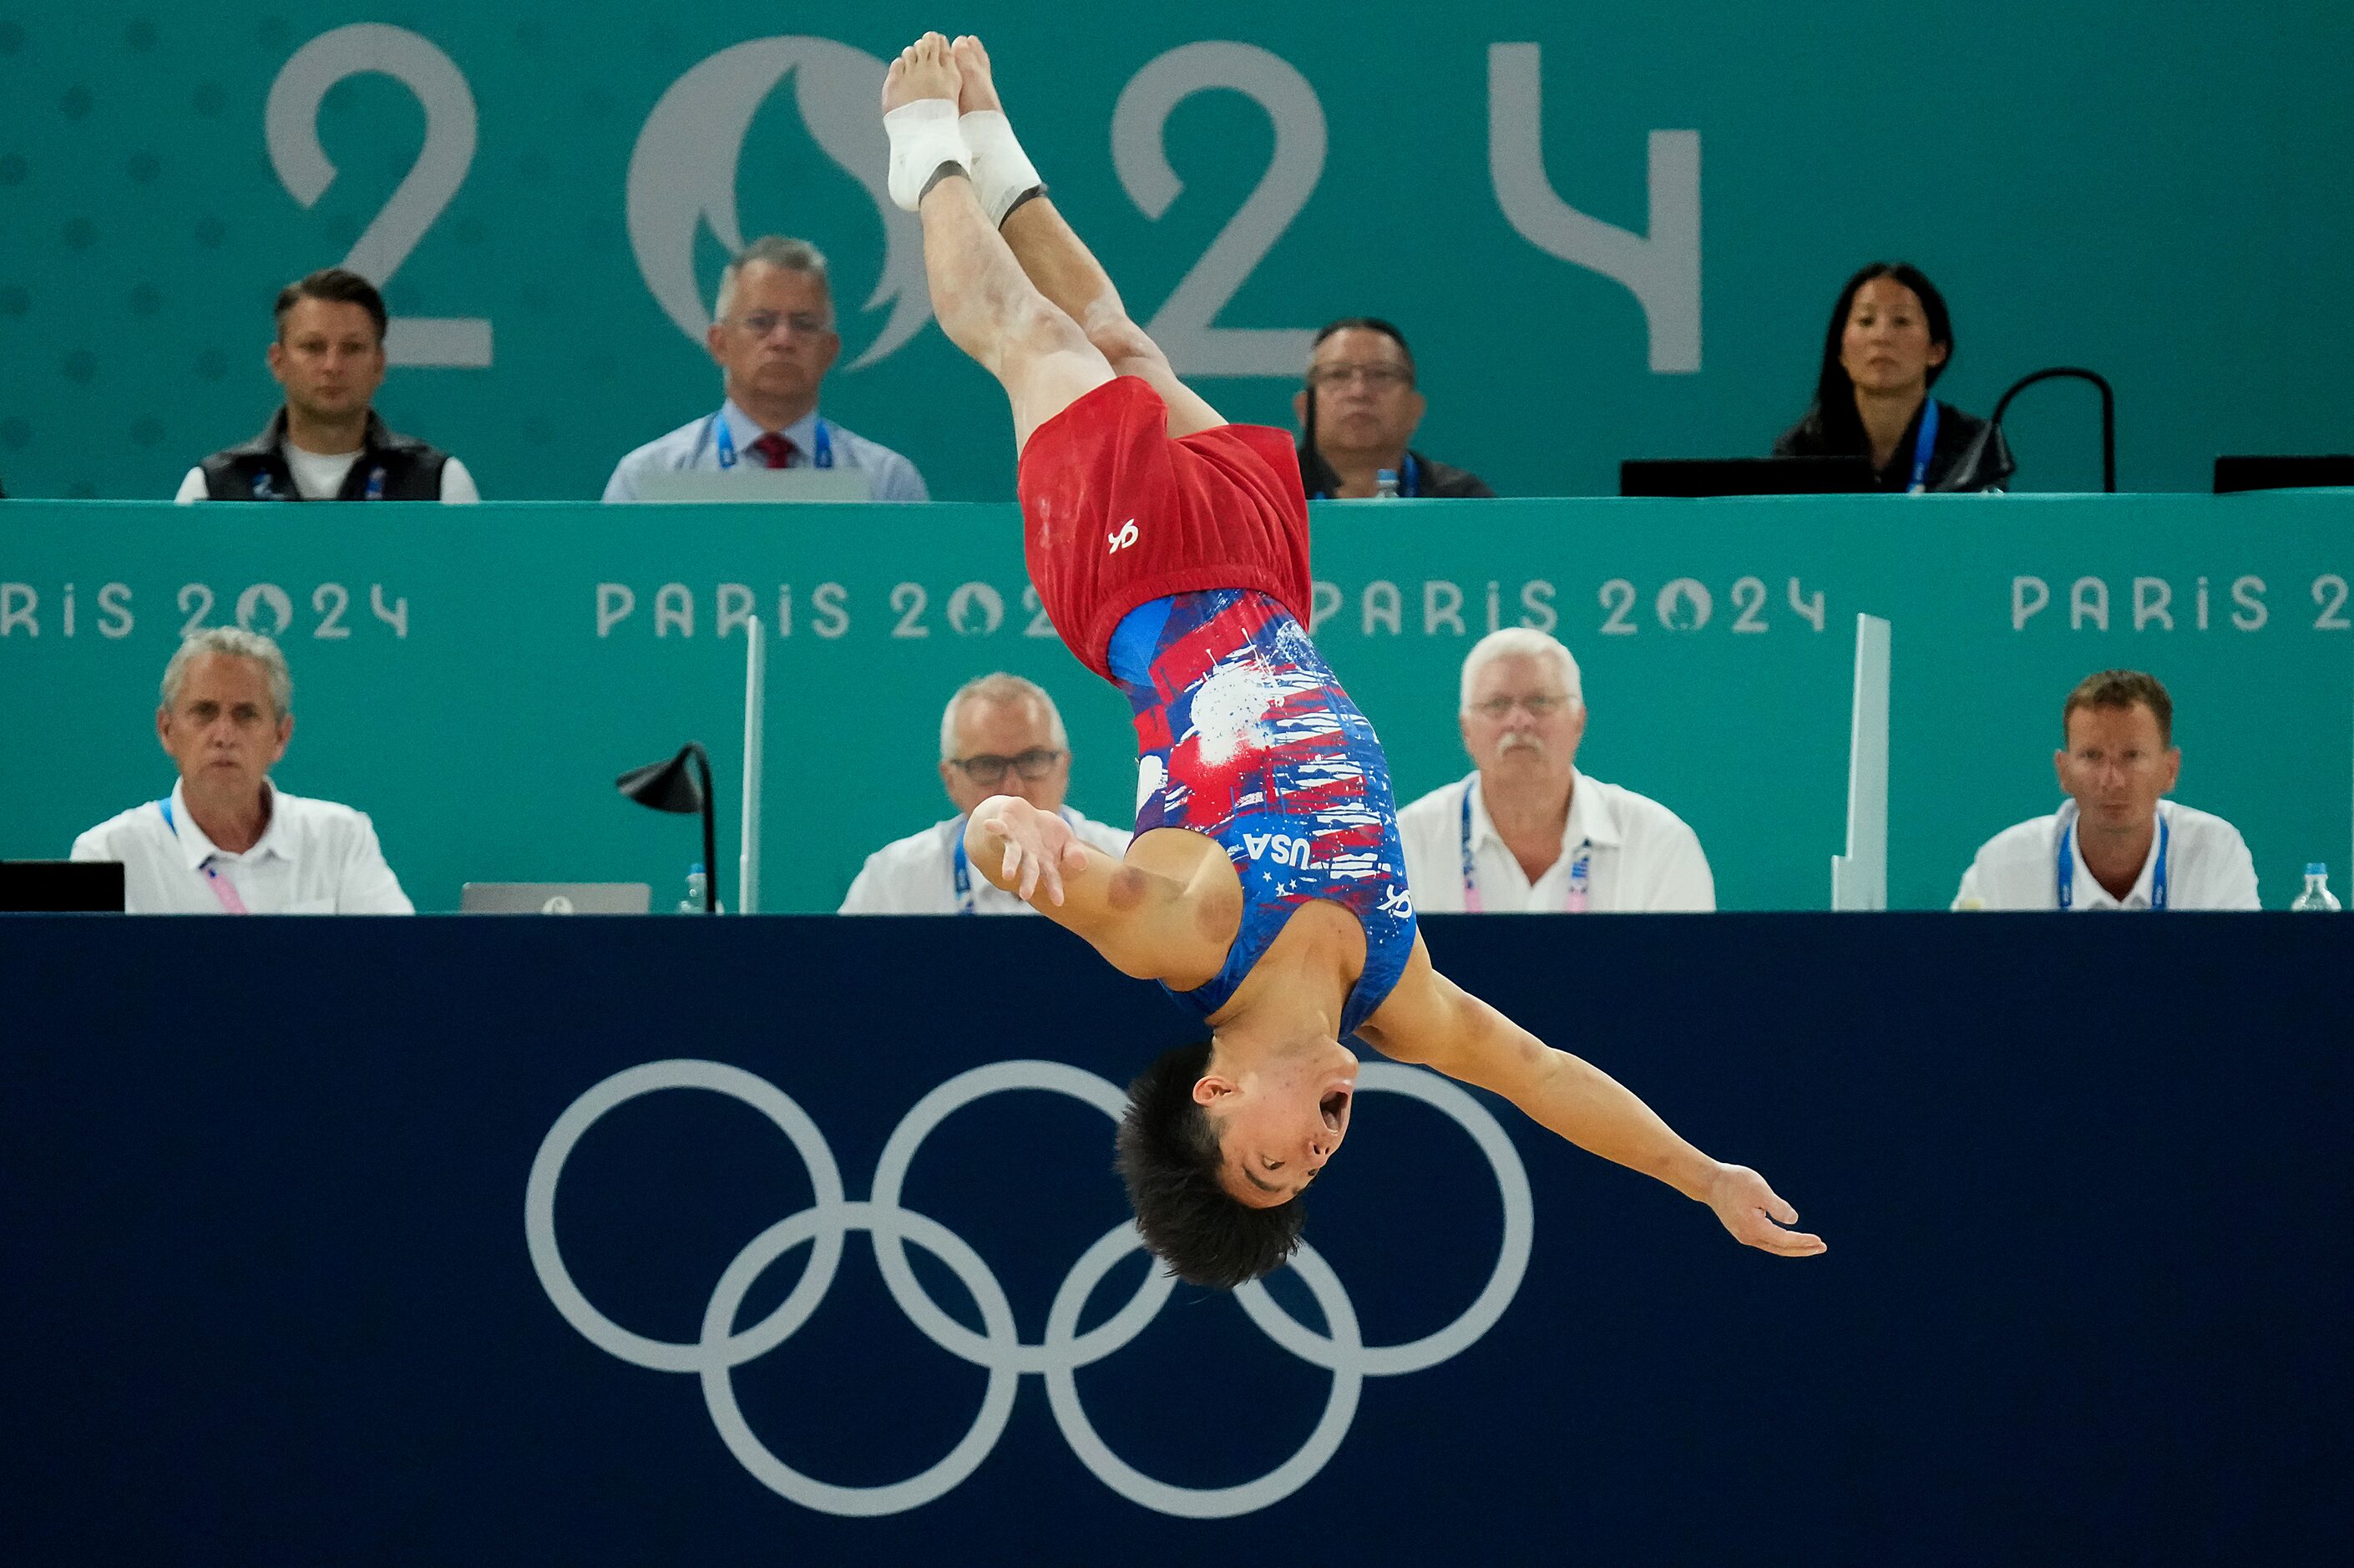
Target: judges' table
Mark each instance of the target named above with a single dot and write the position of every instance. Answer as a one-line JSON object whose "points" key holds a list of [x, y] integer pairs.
{"points": [[475, 679], [400, 1240]]}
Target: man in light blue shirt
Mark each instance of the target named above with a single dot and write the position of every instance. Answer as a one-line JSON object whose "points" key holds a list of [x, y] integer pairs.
{"points": [[774, 341]]}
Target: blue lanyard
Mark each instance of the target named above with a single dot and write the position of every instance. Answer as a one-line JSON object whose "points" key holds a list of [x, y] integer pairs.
{"points": [[962, 868], [2068, 869], [1581, 870], [821, 449], [964, 877], [1923, 445], [1409, 480]]}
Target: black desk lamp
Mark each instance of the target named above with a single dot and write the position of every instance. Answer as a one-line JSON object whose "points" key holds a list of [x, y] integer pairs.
{"points": [[669, 786]]}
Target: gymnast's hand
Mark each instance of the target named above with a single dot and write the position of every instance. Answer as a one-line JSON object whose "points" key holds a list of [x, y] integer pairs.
{"points": [[1749, 1209], [1039, 847]]}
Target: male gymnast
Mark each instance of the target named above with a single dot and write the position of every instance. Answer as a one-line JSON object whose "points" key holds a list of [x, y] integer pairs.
{"points": [[1265, 888]]}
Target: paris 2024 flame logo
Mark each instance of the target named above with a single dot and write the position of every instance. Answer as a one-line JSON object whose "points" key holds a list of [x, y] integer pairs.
{"points": [[682, 173]]}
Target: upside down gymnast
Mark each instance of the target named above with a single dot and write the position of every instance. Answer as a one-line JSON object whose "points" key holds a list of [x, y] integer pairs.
{"points": [[1265, 887]]}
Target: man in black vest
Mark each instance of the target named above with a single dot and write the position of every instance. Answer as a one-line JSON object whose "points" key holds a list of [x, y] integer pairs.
{"points": [[325, 443]]}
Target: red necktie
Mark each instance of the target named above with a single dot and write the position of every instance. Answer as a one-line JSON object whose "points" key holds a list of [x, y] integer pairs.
{"points": [[774, 450]]}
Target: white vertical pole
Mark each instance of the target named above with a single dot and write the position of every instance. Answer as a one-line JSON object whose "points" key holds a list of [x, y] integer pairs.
{"points": [[1860, 877], [755, 676]]}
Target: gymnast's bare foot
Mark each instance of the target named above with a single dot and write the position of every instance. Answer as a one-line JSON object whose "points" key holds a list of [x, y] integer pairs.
{"points": [[925, 69], [979, 88], [919, 117], [1004, 177]]}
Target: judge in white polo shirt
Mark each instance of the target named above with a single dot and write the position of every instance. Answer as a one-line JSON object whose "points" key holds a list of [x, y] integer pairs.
{"points": [[226, 840], [1526, 832], [1000, 735], [2115, 843]]}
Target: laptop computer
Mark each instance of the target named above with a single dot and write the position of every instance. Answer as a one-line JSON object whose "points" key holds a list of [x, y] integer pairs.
{"points": [[742, 483], [555, 898], [60, 886], [1745, 476]]}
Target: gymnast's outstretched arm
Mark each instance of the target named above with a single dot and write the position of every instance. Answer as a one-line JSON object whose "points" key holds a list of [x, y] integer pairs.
{"points": [[1139, 919], [1431, 1020]]}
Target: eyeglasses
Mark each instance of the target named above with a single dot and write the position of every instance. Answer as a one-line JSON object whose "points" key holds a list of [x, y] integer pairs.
{"points": [[988, 768], [761, 323], [1378, 377], [1540, 706]]}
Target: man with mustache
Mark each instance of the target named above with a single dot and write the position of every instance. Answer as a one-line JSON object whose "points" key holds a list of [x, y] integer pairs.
{"points": [[1526, 833]]}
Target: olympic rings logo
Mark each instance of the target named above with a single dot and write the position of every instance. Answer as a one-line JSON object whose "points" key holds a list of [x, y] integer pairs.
{"points": [[999, 1349]]}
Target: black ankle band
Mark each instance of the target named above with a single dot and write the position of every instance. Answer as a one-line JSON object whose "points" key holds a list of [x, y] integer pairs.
{"points": [[1033, 193], [943, 172]]}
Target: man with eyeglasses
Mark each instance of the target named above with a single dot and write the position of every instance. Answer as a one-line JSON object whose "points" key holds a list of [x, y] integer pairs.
{"points": [[773, 338], [1526, 832], [1357, 413], [1000, 735]]}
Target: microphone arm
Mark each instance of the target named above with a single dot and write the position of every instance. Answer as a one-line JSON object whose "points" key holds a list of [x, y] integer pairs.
{"points": [[2108, 413]]}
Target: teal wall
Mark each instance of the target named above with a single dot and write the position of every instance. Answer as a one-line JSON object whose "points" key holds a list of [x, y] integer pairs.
{"points": [[2156, 192], [482, 716]]}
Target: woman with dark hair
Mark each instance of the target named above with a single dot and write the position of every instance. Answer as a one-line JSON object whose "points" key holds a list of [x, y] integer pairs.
{"points": [[1889, 339]]}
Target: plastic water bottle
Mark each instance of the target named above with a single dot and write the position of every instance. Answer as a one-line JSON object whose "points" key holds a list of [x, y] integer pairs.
{"points": [[1385, 485], [2316, 895], [696, 885]]}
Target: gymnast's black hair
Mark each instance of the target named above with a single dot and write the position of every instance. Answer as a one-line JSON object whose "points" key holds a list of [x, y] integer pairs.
{"points": [[1169, 1158]]}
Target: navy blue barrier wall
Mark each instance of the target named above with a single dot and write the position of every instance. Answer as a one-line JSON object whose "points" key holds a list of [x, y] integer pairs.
{"points": [[268, 1296]]}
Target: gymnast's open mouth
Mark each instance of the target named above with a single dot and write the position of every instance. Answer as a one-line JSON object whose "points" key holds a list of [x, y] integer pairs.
{"points": [[1335, 1107]]}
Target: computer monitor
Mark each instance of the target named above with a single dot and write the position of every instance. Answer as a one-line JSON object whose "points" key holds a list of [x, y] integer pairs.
{"points": [[61, 886], [1745, 476], [2235, 474]]}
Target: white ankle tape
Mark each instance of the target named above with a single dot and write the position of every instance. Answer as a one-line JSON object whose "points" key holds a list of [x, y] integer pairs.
{"points": [[923, 136], [1002, 173]]}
